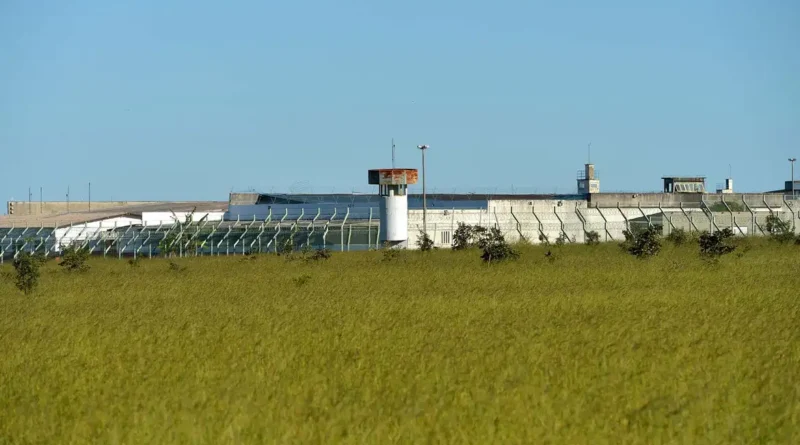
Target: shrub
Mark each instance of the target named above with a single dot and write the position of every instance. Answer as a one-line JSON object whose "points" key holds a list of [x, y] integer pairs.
{"points": [[467, 236], [544, 239], [643, 244], [779, 230], [562, 239], [301, 280], [135, 261], [319, 254], [495, 248], [713, 246], [27, 268], [678, 237], [389, 252], [74, 257], [175, 267], [287, 248], [592, 238], [424, 242]]}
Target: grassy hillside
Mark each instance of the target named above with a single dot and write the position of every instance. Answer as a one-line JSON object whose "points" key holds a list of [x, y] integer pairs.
{"points": [[594, 347]]}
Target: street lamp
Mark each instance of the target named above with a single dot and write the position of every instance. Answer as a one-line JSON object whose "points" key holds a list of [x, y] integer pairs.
{"points": [[791, 160], [423, 148]]}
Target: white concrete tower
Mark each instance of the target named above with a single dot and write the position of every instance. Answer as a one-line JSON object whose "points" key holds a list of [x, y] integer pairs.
{"points": [[393, 189]]}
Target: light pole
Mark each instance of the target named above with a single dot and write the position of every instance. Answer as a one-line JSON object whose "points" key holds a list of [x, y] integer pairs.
{"points": [[423, 148], [791, 160]]}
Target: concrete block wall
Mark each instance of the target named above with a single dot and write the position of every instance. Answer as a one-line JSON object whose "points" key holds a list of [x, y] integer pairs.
{"points": [[576, 220], [23, 208], [742, 223], [754, 200]]}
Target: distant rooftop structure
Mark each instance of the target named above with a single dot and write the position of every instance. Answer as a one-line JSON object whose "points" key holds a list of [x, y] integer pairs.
{"points": [[726, 188], [588, 181], [100, 212], [393, 176], [684, 184]]}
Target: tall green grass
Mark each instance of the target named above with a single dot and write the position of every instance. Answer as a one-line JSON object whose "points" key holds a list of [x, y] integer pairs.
{"points": [[591, 347]]}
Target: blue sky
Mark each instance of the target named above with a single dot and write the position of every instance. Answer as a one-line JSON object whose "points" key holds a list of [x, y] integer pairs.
{"points": [[190, 99]]}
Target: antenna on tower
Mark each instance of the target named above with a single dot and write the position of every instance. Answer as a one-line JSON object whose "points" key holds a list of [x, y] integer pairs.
{"points": [[590, 153], [392, 152], [729, 171]]}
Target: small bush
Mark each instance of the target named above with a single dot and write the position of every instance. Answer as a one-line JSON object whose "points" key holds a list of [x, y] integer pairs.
{"points": [[74, 258], [779, 230], [135, 262], [319, 254], [301, 280], [466, 236], [544, 240], [592, 238], [495, 248], [424, 242], [678, 237], [643, 244], [175, 267], [562, 239], [713, 246], [389, 252], [27, 269], [287, 248]]}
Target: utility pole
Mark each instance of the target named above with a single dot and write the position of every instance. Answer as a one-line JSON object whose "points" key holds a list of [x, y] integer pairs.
{"points": [[393, 153], [67, 199], [794, 220], [424, 148], [29, 200], [90, 196], [41, 201]]}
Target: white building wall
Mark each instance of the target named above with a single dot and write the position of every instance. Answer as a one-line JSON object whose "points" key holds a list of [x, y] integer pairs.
{"points": [[530, 219], [167, 218], [103, 229]]}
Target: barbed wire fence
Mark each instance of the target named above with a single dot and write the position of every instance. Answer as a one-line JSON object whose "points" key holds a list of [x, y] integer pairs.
{"points": [[352, 229]]}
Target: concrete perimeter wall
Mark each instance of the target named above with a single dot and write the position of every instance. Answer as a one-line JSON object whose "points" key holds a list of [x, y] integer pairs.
{"points": [[573, 219], [753, 200], [23, 208]]}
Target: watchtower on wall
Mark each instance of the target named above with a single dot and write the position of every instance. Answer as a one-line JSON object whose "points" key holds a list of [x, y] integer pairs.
{"points": [[588, 182], [393, 189], [684, 184]]}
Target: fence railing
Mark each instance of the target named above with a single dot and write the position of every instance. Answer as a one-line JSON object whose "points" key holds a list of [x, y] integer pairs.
{"points": [[339, 232]]}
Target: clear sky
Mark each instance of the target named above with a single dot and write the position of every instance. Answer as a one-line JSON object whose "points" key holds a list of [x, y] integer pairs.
{"points": [[189, 99]]}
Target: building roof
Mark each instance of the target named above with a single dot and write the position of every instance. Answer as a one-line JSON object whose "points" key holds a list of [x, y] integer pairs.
{"points": [[344, 199], [134, 211], [685, 178]]}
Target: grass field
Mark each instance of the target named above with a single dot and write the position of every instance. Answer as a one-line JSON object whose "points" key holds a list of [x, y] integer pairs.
{"points": [[596, 347]]}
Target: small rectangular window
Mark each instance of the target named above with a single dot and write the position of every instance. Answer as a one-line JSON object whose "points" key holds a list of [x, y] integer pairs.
{"points": [[446, 237]]}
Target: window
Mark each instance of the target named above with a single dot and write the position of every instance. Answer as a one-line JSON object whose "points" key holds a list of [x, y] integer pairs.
{"points": [[446, 237]]}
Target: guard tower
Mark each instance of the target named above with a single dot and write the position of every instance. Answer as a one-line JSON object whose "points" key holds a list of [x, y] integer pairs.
{"points": [[727, 188], [588, 182], [684, 184], [393, 189]]}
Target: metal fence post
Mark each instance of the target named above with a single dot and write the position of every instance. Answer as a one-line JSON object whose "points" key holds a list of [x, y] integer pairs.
{"points": [[627, 223]]}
